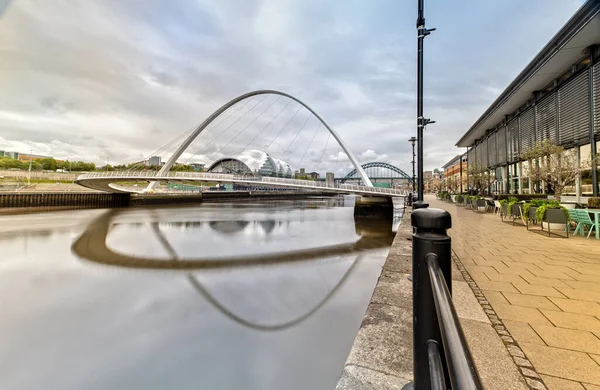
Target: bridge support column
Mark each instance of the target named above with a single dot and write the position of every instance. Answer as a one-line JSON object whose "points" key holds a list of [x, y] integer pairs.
{"points": [[373, 207]]}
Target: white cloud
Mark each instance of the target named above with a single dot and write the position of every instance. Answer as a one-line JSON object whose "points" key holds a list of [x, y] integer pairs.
{"points": [[123, 78]]}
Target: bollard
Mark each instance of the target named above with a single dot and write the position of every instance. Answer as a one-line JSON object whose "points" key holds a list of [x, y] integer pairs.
{"points": [[429, 236], [419, 205]]}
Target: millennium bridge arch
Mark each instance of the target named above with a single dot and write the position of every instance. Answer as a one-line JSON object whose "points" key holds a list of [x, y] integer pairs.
{"points": [[169, 164]]}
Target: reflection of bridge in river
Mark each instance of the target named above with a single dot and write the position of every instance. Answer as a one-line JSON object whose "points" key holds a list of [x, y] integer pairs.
{"points": [[271, 291]]}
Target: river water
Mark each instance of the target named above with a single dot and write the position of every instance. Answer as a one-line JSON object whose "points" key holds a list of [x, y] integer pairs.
{"points": [[261, 295]]}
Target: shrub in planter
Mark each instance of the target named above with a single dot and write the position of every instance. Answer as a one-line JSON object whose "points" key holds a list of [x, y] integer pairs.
{"points": [[460, 199], [510, 204], [516, 210], [553, 213], [525, 197], [530, 207], [541, 211], [504, 207], [594, 203]]}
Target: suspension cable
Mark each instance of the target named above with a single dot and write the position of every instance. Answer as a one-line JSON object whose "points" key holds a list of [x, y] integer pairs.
{"points": [[296, 136], [283, 128], [323, 154], [245, 127], [310, 143], [263, 129], [228, 116]]}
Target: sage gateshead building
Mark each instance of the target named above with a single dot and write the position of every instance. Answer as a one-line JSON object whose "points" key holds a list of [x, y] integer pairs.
{"points": [[252, 162], [557, 98]]}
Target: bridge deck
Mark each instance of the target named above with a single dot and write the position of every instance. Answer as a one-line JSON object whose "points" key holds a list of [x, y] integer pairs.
{"points": [[104, 181]]}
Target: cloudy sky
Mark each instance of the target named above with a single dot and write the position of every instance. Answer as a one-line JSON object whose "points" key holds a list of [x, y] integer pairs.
{"points": [[119, 79]]}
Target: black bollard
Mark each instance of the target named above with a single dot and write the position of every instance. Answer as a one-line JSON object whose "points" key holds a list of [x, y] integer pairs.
{"points": [[429, 237], [419, 205]]}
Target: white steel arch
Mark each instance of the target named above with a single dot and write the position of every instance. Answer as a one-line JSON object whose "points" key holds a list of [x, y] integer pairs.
{"points": [[166, 168]]}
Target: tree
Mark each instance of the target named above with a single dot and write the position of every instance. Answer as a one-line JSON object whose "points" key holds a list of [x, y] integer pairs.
{"points": [[182, 168], [77, 166], [48, 164], [480, 177], [555, 165], [434, 184], [8, 163], [35, 166]]}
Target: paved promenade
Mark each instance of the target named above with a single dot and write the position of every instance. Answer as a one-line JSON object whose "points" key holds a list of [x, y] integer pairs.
{"points": [[381, 357], [541, 294]]}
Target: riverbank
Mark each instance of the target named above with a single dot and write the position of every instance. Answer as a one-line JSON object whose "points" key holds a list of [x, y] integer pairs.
{"points": [[381, 356]]}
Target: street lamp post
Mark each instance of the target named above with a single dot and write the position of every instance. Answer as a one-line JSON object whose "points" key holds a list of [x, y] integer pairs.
{"points": [[412, 140], [422, 32]]}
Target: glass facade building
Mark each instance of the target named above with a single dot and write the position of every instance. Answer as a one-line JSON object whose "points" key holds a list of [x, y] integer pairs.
{"points": [[557, 98]]}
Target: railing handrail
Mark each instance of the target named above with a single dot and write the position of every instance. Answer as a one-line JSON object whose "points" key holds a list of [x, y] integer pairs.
{"points": [[459, 362], [244, 178]]}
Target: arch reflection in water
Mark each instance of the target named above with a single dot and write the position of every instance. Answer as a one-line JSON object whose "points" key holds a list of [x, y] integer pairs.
{"points": [[270, 291]]}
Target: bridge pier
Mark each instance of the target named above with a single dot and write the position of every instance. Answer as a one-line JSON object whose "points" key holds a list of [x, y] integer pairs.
{"points": [[374, 207]]}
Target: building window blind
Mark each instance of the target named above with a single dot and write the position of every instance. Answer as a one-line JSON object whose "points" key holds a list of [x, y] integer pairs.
{"points": [[546, 119], [574, 111], [596, 90], [484, 153], [501, 145], [492, 151], [513, 140], [526, 130]]}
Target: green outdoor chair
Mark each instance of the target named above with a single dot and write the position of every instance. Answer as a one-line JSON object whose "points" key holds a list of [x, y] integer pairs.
{"points": [[585, 220], [575, 218]]}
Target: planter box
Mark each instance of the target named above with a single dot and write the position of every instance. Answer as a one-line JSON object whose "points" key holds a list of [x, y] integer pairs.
{"points": [[531, 216], [503, 211], [555, 219], [517, 210], [555, 216]]}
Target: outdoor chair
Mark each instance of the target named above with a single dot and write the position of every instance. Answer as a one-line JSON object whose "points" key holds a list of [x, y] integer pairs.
{"points": [[497, 207], [585, 220]]}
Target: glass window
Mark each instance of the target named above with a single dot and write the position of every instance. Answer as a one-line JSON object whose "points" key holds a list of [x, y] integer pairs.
{"points": [[585, 152], [499, 173]]}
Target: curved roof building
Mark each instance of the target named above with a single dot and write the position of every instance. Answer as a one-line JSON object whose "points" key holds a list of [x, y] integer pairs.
{"points": [[252, 162]]}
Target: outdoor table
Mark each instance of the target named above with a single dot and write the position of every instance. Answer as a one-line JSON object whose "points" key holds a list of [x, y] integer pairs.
{"points": [[596, 213]]}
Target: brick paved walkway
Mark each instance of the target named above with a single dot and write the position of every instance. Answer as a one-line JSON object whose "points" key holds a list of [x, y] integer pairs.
{"points": [[545, 290]]}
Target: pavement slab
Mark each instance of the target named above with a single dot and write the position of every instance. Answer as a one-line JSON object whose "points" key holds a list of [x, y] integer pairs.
{"points": [[543, 290]]}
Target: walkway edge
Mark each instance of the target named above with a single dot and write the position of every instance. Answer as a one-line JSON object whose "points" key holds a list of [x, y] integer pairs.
{"points": [[381, 356]]}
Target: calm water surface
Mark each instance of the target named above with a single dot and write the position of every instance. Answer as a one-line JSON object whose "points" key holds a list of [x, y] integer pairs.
{"points": [[216, 296]]}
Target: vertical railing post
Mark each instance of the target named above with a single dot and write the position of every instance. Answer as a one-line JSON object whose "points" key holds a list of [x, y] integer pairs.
{"points": [[429, 226]]}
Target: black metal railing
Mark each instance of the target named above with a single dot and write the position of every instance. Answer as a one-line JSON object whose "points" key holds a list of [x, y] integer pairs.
{"points": [[442, 359]]}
